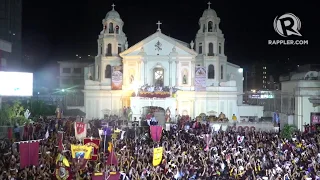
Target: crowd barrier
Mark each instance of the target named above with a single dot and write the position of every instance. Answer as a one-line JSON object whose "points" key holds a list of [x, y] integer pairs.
{"points": [[244, 126]]}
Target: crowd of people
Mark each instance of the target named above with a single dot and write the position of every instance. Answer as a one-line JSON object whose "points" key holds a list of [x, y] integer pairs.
{"points": [[187, 155]]}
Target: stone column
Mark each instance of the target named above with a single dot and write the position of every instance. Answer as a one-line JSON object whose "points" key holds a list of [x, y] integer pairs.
{"points": [[192, 72], [170, 73], [145, 71], [139, 70], [192, 115], [124, 74], [177, 73]]}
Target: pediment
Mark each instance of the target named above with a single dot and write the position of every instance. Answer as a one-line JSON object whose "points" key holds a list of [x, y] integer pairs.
{"points": [[159, 44]]}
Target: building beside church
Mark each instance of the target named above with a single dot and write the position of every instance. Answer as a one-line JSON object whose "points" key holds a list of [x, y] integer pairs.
{"points": [[205, 80]]}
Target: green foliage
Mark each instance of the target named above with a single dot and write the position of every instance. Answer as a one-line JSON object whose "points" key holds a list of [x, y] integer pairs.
{"points": [[12, 114], [288, 131], [40, 108]]}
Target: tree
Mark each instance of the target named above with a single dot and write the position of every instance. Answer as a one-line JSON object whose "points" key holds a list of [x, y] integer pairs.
{"points": [[12, 114], [40, 108], [288, 131]]}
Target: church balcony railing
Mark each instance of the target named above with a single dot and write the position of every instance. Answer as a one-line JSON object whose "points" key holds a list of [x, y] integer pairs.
{"points": [[157, 94]]}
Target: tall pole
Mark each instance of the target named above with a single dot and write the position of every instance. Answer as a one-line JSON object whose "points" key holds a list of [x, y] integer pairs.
{"points": [[246, 81], [246, 87]]}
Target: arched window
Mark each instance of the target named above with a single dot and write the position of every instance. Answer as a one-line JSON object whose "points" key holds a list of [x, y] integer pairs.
{"points": [[200, 48], [119, 48], [221, 71], [210, 49], [107, 73], [101, 49], [117, 29], [210, 26], [211, 72], [204, 28], [111, 28], [109, 50]]}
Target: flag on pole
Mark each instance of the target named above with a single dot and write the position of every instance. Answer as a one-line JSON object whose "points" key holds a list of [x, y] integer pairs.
{"points": [[112, 159], [60, 141], [46, 136], [80, 130], [156, 132]]}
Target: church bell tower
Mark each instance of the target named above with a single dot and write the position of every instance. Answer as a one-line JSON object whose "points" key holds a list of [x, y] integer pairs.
{"points": [[209, 43], [111, 42]]}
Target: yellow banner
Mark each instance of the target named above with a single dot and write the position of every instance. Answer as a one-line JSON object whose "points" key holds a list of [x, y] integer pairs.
{"points": [[81, 151], [157, 156], [110, 146]]}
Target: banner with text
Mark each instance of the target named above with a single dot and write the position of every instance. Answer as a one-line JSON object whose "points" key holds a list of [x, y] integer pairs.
{"points": [[116, 78], [200, 78], [315, 118]]}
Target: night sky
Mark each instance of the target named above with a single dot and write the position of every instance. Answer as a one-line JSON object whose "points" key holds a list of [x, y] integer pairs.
{"points": [[60, 29]]}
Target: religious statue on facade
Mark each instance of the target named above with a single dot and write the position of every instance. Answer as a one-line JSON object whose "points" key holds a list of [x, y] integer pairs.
{"points": [[126, 45], [129, 112], [192, 44], [89, 76], [168, 115], [184, 79], [131, 79], [58, 112]]}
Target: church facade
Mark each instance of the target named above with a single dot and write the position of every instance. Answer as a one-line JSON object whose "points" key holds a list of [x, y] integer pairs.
{"points": [[160, 60]]}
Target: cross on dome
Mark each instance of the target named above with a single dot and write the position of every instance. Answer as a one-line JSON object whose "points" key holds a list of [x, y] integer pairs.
{"points": [[159, 23], [113, 6], [209, 3]]}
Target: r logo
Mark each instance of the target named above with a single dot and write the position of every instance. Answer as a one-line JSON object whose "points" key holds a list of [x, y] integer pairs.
{"points": [[286, 25]]}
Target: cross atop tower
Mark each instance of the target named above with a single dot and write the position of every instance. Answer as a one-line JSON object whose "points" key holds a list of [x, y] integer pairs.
{"points": [[209, 3], [159, 23], [113, 6]]}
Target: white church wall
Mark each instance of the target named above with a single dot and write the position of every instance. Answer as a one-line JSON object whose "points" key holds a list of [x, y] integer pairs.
{"points": [[248, 110], [233, 73], [150, 49]]}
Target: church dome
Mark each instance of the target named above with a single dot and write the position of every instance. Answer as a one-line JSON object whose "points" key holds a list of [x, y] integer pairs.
{"points": [[112, 14], [209, 13]]}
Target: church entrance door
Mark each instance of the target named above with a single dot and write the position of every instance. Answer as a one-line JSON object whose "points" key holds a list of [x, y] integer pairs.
{"points": [[158, 112]]}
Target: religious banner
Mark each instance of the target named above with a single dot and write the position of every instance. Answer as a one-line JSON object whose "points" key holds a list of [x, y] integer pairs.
{"points": [[116, 78], [200, 78], [102, 176], [80, 130], [63, 173], [314, 118], [95, 144], [208, 140], [29, 153], [60, 141], [114, 176], [156, 132], [81, 154], [157, 156], [62, 168], [81, 151], [112, 159]]}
